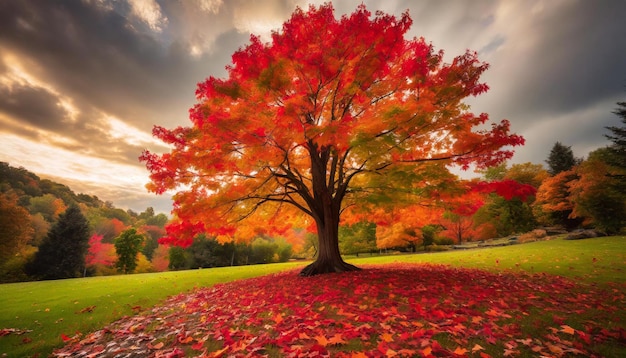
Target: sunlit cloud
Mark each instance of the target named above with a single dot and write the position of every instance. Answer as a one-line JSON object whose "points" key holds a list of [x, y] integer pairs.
{"points": [[123, 131], [149, 12], [16, 74], [262, 17], [210, 6], [124, 185]]}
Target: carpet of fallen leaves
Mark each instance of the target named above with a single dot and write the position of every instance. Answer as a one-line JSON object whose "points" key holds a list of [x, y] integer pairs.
{"points": [[382, 311]]}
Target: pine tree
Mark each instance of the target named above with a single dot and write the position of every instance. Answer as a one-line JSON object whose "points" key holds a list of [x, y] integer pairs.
{"points": [[62, 252], [618, 149], [561, 159]]}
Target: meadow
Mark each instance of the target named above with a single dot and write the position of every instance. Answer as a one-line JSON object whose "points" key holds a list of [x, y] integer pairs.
{"points": [[36, 317]]}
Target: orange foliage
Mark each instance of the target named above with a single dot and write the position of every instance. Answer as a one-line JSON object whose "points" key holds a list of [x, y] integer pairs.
{"points": [[553, 194], [330, 114]]}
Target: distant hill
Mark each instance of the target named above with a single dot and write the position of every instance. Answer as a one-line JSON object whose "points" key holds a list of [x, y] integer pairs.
{"points": [[27, 185]]}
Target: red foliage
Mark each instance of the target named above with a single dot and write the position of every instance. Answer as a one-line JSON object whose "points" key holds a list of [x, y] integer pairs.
{"points": [[329, 113], [100, 253], [508, 189], [402, 310]]}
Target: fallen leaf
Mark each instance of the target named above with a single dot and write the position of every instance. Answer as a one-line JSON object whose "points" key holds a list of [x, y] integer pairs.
{"points": [[321, 340], [337, 339], [460, 351], [567, 329]]}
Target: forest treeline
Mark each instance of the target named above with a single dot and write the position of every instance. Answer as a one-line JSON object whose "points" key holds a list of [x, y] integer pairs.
{"points": [[82, 235]]}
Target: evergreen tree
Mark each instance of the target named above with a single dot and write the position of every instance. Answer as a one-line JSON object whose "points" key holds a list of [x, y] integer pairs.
{"points": [[561, 159], [127, 246], [618, 149], [62, 252]]}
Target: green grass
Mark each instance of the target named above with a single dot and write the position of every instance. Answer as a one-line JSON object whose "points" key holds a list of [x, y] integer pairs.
{"points": [[52, 308], [598, 260]]}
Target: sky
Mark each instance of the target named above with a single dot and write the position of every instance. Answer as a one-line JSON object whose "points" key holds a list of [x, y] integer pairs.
{"points": [[82, 82]]}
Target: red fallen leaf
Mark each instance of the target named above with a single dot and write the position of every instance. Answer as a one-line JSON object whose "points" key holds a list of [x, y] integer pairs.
{"points": [[198, 346], [584, 336], [484, 355], [65, 338]]}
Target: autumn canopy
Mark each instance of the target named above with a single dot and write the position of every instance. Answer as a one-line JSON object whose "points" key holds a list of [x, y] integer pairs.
{"points": [[331, 117]]}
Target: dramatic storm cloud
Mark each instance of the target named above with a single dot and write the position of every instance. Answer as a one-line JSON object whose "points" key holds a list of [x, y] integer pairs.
{"points": [[83, 82]]}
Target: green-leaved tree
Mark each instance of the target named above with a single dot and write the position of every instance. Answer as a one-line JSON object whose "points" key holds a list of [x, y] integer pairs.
{"points": [[127, 246]]}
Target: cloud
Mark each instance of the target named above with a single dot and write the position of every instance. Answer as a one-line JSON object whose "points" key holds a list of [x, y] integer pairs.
{"points": [[91, 77], [35, 106], [262, 17], [149, 12]]}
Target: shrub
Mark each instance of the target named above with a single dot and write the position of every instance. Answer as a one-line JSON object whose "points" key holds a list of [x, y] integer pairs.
{"points": [[533, 235], [444, 241], [436, 248]]}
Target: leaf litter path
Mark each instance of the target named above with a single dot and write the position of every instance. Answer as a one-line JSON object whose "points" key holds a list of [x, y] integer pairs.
{"points": [[382, 311]]}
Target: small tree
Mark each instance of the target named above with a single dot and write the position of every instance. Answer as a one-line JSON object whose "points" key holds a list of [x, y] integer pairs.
{"points": [[15, 227], [177, 258], [62, 252], [561, 159], [597, 196], [127, 246]]}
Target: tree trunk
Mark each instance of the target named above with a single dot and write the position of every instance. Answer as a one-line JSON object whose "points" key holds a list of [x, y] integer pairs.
{"points": [[328, 257]]}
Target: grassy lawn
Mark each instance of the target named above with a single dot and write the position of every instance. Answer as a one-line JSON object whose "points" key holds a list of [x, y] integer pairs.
{"points": [[599, 260], [52, 308]]}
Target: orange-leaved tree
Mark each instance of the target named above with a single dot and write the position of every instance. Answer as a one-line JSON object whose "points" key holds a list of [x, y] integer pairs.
{"points": [[329, 114]]}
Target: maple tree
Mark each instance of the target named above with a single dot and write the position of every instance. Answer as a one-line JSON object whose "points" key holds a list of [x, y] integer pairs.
{"points": [[596, 194], [331, 114], [99, 253], [15, 228], [553, 204]]}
